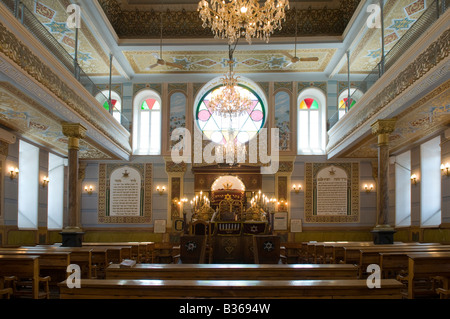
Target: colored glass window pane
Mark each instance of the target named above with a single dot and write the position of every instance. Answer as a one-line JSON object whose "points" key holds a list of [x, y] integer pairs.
{"points": [[106, 105], [216, 127], [309, 104], [343, 103], [149, 105]]}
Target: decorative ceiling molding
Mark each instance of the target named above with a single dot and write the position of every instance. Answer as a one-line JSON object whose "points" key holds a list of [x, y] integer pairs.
{"points": [[145, 23], [244, 61]]}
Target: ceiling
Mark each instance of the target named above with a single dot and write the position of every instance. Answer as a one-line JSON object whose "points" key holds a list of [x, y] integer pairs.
{"points": [[136, 27], [327, 30]]}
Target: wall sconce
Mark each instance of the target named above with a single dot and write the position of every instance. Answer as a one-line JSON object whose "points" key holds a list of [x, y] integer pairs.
{"points": [[13, 172], [445, 169], [368, 188], [89, 189], [297, 188], [414, 179], [160, 189], [45, 181]]}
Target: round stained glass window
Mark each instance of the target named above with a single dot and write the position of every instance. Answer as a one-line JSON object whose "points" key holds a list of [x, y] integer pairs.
{"points": [[217, 127]]}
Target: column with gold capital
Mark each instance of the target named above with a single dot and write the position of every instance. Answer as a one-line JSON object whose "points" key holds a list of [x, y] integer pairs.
{"points": [[383, 232], [72, 234]]}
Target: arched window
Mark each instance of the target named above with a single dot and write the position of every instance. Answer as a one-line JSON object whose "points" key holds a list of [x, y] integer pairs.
{"points": [[216, 127], [116, 102], [355, 95], [147, 119], [311, 122]]}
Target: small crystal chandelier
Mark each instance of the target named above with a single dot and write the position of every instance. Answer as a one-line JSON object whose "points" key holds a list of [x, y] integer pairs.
{"points": [[229, 102], [231, 19]]}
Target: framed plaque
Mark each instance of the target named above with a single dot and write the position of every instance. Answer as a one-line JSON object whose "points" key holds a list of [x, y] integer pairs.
{"points": [[160, 226], [296, 226], [178, 225], [280, 221], [332, 193]]}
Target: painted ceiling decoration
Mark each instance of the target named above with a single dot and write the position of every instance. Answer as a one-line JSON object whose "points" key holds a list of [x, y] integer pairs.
{"points": [[400, 15], [52, 14], [244, 61], [140, 21]]}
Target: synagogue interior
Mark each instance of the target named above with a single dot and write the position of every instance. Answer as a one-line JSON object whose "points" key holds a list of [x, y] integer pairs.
{"points": [[224, 149]]}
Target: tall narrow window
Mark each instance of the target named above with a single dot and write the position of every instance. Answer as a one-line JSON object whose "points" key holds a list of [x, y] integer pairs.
{"points": [[55, 192], [147, 131], [116, 102], [430, 201], [28, 186], [311, 122], [403, 189]]}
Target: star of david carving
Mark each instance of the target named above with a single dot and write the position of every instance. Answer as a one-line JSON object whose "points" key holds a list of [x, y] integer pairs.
{"points": [[268, 246], [191, 246]]}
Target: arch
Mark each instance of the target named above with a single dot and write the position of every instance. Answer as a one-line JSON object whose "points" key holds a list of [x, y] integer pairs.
{"points": [[232, 181], [247, 125], [116, 101], [147, 118], [311, 122]]}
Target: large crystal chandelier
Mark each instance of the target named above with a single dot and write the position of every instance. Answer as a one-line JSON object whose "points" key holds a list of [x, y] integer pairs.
{"points": [[228, 102], [231, 19]]}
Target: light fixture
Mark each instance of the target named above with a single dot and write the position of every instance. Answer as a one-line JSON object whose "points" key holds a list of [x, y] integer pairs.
{"points": [[243, 18], [89, 189], [160, 189], [445, 169], [45, 181], [297, 188], [414, 179], [368, 188], [228, 102], [13, 173]]}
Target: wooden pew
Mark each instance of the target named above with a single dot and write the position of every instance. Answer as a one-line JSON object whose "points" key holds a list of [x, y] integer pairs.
{"points": [[292, 251], [425, 265], [81, 256], [338, 249], [23, 267], [230, 272], [130, 249], [372, 256], [51, 263], [259, 289], [352, 253], [163, 253]]}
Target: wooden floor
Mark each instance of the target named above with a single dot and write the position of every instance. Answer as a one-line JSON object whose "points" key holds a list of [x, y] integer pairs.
{"points": [[318, 270]]}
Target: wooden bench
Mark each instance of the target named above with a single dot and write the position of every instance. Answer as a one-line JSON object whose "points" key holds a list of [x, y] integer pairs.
{"points": [[51, 263], [257, 289], [424, 266], [399, 257], [232, 271], [23, 267], [352, 253], [292, 251], [339, 250]]}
